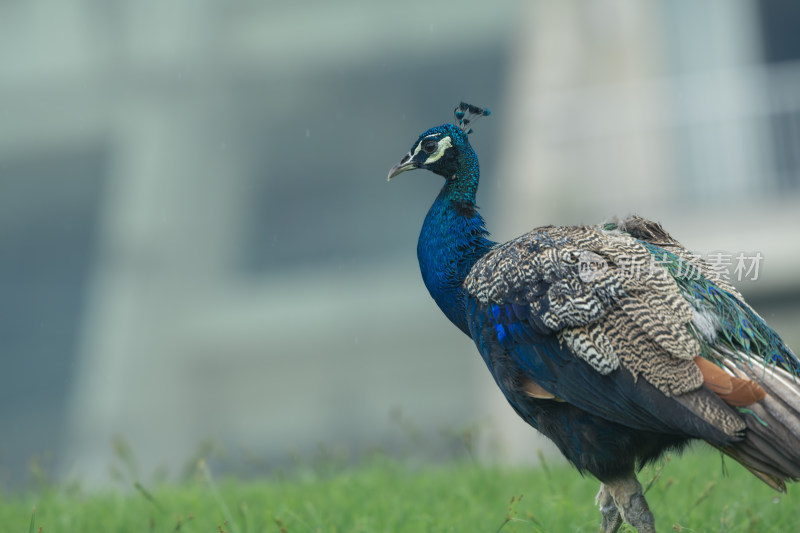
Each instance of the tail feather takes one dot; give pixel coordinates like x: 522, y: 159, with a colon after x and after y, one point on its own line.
x: 787, y: 420
x: 782, y: 399
x: 759, y: 469
x: 776, y: 451
x: 771, y: 447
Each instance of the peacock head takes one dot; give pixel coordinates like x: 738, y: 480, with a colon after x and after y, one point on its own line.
x: 441, y: 149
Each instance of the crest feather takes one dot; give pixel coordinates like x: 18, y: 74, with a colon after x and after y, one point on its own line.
x: 466, y: 114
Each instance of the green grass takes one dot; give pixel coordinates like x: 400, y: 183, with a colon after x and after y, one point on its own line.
x: 690, y: 493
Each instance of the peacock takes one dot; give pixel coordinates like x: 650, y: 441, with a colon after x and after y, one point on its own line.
x: 614, y: 341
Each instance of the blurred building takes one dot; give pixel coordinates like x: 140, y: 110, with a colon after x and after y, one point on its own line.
x: 197, y: 239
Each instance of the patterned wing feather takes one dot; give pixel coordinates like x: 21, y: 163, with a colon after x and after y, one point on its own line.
x: 601, y: 293
x: 607, y: 303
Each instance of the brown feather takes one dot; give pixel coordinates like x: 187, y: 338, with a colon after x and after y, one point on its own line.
x: 734, y: 391
x: 534, y: 390
x: 744, y: 393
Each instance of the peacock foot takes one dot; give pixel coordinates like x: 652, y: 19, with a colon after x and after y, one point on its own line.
x: 622, y: 500
x: 611, y: 517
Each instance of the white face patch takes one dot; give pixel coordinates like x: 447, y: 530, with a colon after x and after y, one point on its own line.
x: 443, y: 145
x: 419, y: 145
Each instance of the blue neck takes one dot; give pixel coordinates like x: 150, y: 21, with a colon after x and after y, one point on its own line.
x: 452, y: 239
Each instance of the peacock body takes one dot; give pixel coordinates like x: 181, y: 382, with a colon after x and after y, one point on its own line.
x: 613, y: 340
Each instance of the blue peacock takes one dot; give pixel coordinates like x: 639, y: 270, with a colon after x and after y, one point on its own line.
x: 616, y: 365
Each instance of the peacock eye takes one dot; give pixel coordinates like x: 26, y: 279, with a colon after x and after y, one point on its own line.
x: 429, y: 146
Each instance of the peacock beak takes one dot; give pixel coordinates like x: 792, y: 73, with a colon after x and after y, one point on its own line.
x: 406, y: 163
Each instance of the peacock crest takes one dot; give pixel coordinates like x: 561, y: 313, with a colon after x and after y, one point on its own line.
x: 466, y: 114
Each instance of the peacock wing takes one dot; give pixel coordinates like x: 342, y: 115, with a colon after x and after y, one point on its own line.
x: 588, y: 315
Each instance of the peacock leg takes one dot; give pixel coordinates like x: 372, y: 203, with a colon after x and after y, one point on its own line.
x: 611, y: 518
x: 627, y: 494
